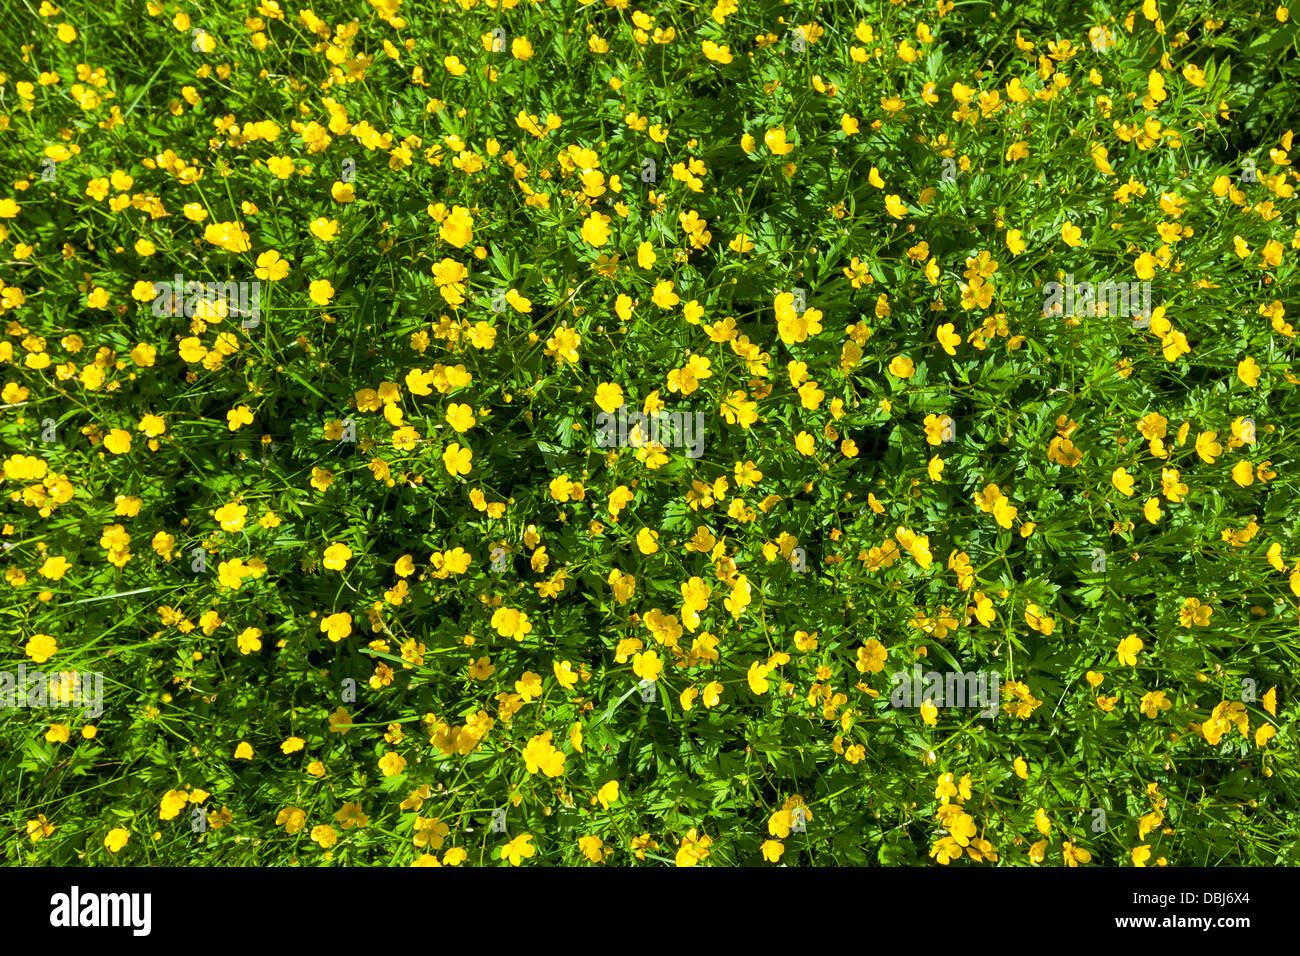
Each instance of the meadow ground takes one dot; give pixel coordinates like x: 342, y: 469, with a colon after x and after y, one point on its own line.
x: 563, y: 433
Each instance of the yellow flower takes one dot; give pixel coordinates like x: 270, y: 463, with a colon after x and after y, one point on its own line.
x: 519, y: 849
x: 948, y: 338
x: 57, y: 734
x: 324, y: 229
x: 591, y: 847
x: 963, y: 828
x: 321, y: 291
x: 694, y: 848
x: 1248, y: 371
x: 54, y: 568
x: 458, y: 228
x: 663, y: 295
x: 270, y: 266
x: 292, y: 819
x: 457, y: 460
x: 460, y: 416
x: 1128, y: 649
x: 609, y: 397
x: 41, y: 647
x: 1153, y: 702
x: 173, y: 802
x: 118, y: 441
x: 282, y: 167
x: 336, y: 626
x: 608, y: 794
x: 792, y: 326
x: 1194, y: 613
x: 231, y: 516
x: 929, y: 713
x: 116, y: 839
x: 1039, y: 621
x: 1041, y: 822
x: 511, y: 623
x: 902, y: 367
x: 540, y: 756
x: 775, y: 141
x: 647, y: 541
x: 39, y: 828
x: 1074, y: 856
x: 945, y: 850
x: 236, y: 418
x: 647, y: 666
x: 719, y: 54
x: 595, y: 229
x: 336, y: 556
x: 1004, y: 512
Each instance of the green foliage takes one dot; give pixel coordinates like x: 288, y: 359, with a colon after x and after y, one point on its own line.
x: 482, y: 570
